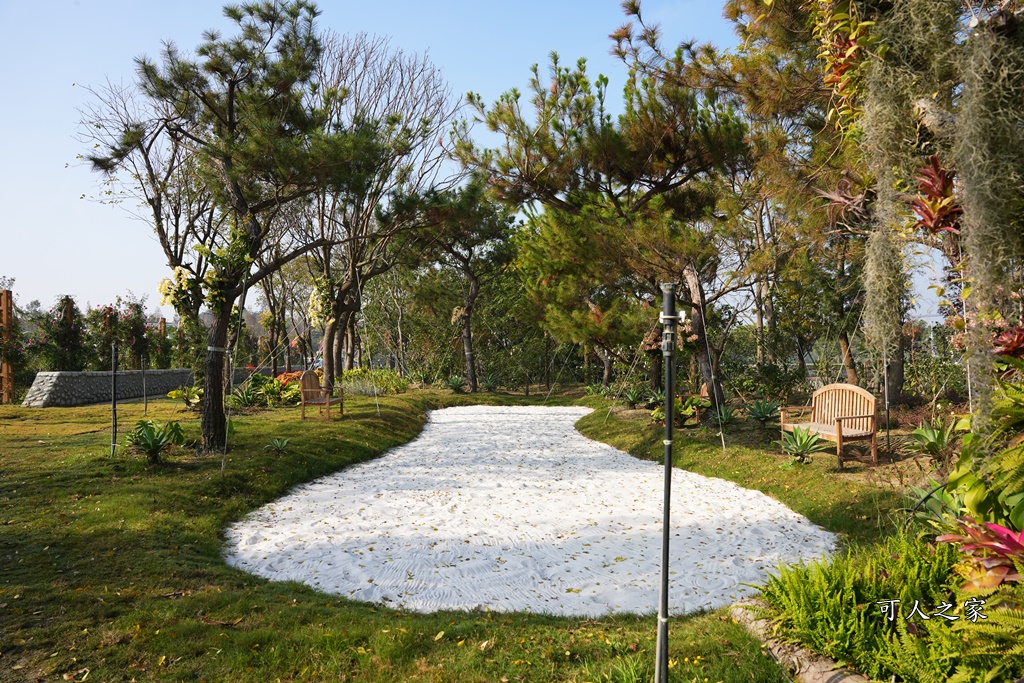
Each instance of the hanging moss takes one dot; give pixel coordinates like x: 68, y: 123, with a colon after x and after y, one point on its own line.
x: 917, y: 48
x: 989, y: 153
x: 885, y: 279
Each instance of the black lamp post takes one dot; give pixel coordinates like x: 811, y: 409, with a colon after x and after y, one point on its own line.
x: 669, y: 321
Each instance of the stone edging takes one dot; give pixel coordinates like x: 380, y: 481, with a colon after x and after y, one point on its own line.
x: 804, y: 665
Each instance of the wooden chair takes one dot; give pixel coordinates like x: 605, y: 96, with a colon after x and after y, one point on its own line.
x: 840, y: 413
x: 314, y: 395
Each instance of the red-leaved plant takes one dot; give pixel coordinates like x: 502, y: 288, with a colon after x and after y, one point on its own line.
x: 936, y: 208
x: 1010, y: 343
x: 993, y: 553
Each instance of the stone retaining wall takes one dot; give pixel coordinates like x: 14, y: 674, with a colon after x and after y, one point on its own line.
x: 83, y: 388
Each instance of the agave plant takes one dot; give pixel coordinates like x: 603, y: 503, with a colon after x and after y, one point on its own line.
x: 278, y: 446
x: 656, y: 398
x: 763, y: 411
x: 936, y: 504
x: 993, y: 552
x: 456, y: 383
x: 489, y: 383
x: 801, y: 443
x: 934, y: 440
x: 633, y: 395
x: 152, y: 440
x: 725, y: 416
x: 246, y: 396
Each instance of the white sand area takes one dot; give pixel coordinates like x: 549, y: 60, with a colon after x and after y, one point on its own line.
x: 512, y: 509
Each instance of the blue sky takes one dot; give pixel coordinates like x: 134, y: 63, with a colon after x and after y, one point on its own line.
x: 55, y: 240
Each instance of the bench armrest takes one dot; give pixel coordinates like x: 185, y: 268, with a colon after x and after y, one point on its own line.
x: 854, y: 417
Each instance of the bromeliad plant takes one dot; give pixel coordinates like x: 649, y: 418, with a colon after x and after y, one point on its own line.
x: 936, y: 206
x: 993, y: 553
x: 801, y: 444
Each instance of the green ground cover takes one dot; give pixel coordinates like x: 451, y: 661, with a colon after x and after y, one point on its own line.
x: 111, y: 568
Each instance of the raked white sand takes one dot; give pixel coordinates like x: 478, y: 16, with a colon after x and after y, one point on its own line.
x: 512, y: 509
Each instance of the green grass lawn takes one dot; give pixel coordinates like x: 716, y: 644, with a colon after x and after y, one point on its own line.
x: 111, y: 568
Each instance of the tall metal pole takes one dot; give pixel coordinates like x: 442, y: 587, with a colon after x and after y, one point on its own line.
x: 113, y: 397
x: 668, y: 349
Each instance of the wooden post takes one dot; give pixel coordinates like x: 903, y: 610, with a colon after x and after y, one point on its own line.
x: 113, y: 397
x: 162, y: 327
x: 7, y: 331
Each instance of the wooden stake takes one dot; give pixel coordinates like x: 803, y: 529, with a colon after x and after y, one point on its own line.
x: 7, y: 331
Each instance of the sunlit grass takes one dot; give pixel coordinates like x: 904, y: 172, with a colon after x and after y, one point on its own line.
x: 114, y: 565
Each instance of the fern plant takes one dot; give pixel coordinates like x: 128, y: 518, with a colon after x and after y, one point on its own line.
x: 833, y: 608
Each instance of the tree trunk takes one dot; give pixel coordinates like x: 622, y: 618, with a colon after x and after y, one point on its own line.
x: 896, y: 368
x: 851, y: 368
x: 338, y: 351
x: 656, y: 372
x: 704, y: 360
x: 606, y: 360
x: 800, y: 346
x: 467, y: 330
x: 330, y: 330
x: 214, y: 423
x: 357, y: 343
x: 350, y: 345
x: 759, y: 324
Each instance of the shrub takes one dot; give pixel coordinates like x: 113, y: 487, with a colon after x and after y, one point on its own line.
x: 62, y: 341
x: 455, y: 383
x: 366, y: 382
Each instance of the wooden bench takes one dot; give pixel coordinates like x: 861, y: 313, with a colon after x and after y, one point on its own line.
x: 314, y: 395
x: 840, y: 413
